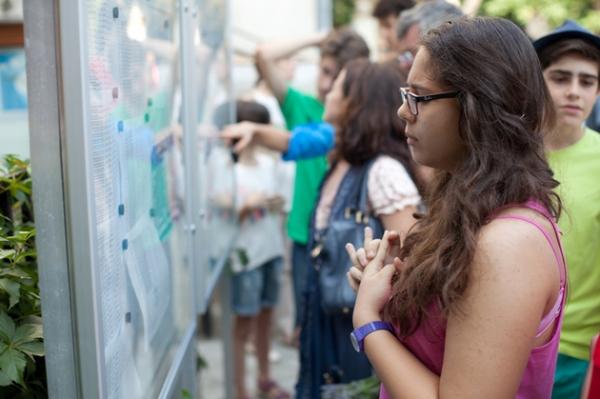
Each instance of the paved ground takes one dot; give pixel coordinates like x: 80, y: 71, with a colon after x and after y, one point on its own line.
x: 211, y: 382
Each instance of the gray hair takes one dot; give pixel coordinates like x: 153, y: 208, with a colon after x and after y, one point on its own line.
x: 428, y: 14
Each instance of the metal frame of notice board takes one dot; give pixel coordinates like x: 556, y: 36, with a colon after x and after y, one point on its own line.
x: 64, y: 207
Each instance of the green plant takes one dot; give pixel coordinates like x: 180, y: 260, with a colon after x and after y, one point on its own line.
x: 552, y: 12
x: 343, y: 11
x: 22, y: 369
x: 367, y: 388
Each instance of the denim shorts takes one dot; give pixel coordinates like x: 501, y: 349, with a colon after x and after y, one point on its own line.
x: 256, y: 289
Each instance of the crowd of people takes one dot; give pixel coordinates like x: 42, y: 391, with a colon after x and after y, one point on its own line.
x: 445, y: 217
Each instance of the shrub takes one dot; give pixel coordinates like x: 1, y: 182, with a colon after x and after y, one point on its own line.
x: 22, y: 368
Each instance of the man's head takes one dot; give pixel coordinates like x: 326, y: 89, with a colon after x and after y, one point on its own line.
x: 386, y: 12
x: 416, y: 22
x: 570, y: 59
x: 338, y: 48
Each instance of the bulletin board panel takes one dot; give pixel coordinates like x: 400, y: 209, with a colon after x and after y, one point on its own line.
x: 136, y: 174
x: 217, y: 219
x: 136, y: 168
x: 114, y: 99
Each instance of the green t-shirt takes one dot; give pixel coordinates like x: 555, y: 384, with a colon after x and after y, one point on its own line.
x: 577, y: 168
x: 298, y: 109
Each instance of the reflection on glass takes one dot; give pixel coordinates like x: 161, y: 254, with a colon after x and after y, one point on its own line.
x: 14, y: 132
x: 137, y: 175
x: 217, y: 182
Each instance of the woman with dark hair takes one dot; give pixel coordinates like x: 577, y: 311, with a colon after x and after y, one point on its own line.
x: 369, y: 149
x: 471, y: 305
x: 369, y: 142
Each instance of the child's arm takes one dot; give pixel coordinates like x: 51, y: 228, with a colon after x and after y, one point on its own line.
x: 305, y: 141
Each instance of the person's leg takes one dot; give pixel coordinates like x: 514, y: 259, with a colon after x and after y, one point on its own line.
x: 569, y: 377
x: 263, y: 342
x: 241, y: 332
x: 271, y: 273
x: 245, y: 301
x: 300, y: 264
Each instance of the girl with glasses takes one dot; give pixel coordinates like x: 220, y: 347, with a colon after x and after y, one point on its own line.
x: 470, y: 305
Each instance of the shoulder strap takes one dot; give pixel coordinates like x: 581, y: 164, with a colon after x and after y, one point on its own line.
x: 363, y: 197
x: 560, y: 261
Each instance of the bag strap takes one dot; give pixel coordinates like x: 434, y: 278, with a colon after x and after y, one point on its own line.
x: 358, y: 198
x: 363, y: 188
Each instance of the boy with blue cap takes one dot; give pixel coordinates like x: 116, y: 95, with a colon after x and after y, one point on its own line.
x: 570, y: 59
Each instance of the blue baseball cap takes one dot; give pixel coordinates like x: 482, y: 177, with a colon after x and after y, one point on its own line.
x: 568, y: 30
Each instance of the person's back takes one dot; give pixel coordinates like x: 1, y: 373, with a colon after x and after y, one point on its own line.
x: 570, y: 58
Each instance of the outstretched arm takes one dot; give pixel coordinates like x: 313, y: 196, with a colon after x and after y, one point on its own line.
x: 305, y: 141
x: 244, y: 133
x: 268, y: 54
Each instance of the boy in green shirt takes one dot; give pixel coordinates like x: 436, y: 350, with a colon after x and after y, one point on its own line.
x: 337, y: 48
x: 570, y: 58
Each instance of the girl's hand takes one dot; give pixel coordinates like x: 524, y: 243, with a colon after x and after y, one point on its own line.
x: 362, y: 256
x: 375, y: 284
x: 359, y: 258
x: 239, y: 135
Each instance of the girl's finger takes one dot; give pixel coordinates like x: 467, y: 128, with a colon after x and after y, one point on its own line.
x: 394, y: 238
x: 387, y: 272
x: 356, y: 274
x: 353, y: 283
x: 377, y: 263
x: 351, y: 253
x: 361, y: 255
x: 242, y: 143
x: 398, y: 265
x: 368, y: 237
x: 371, y: 248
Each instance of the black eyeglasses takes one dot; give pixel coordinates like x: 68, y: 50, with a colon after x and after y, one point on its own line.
x: 413, y: 99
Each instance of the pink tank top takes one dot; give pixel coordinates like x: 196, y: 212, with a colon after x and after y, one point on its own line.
x: 427, y: 342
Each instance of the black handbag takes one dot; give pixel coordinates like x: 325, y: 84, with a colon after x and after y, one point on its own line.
x: 349, y: 216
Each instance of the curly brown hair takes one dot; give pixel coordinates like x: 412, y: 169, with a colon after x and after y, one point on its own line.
x: 504, y: 107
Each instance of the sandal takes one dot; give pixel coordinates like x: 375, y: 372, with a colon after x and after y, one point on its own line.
x: 269, y: 389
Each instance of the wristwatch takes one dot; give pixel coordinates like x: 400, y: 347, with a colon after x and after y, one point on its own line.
x: 357, y: 337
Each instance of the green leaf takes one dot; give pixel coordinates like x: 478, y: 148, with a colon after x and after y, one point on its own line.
x: 31, y: 319
x: 4, y: 380
x: 23, y: 255
x: 7, y: 327
x: 13, y: 290
x: 12, y: 363
x: 14, y: 272
x: 5, y: 253
x: 242, y: 257
x: 33, y: 348
x: 27, y: 333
